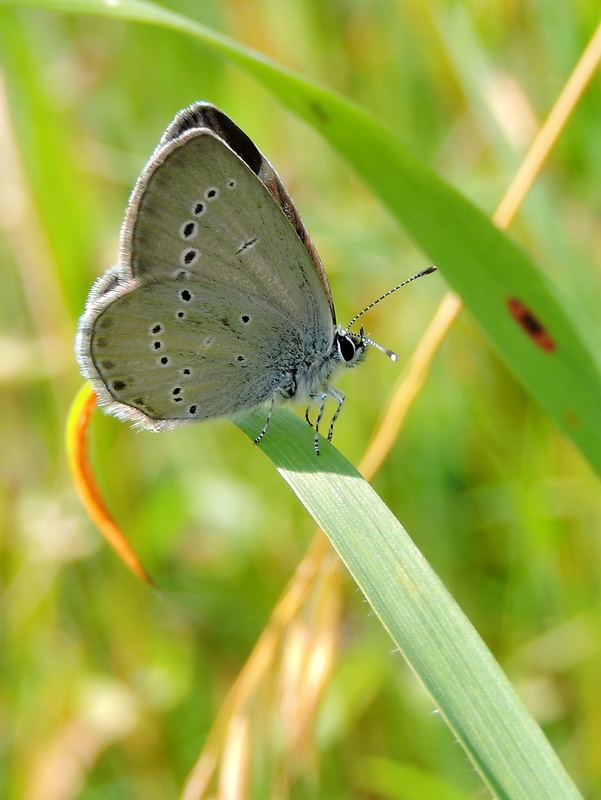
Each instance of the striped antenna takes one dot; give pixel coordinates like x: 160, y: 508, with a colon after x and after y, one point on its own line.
x: 428, y: 271
x: 390, y: 353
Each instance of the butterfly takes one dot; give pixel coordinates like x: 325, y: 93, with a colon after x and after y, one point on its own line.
x: 219, y: 302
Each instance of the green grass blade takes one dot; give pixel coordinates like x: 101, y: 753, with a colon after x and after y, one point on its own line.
x: 432, y: 633
x: 548, y: 350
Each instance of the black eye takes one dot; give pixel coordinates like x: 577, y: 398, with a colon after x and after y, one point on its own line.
x: 346, y: 348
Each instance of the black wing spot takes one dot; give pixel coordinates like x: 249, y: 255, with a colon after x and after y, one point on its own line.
x: 193, y: 409
x: 188, y: 230
x: 181, y: 314
x: 246, y: 245
x: 245, y: 318
x: 189, y: 257
x: 164, y: 361
x: 211, y: 193
x: 157, y: 345
x: 186, y: 371
x: 198, y: 209
x: 186, y: 295
x: 119, y: 386
x: 177, y: 390
x: 156, y: 328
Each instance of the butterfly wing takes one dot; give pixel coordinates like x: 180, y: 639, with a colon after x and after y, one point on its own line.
x: 206, y: 115
x: 215, y: 299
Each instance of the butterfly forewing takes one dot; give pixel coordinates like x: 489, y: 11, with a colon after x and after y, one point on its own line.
x: 201, y: 209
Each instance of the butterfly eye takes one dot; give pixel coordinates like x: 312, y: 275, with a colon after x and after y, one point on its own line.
x: 346, y: 348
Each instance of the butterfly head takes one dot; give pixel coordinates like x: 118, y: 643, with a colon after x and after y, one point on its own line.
x: 352, y: 347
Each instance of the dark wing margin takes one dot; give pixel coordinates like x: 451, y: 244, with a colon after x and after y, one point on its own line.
x: 206, y: 115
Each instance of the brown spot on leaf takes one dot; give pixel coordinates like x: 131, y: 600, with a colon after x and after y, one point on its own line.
x: 571, y: 419
x: 530, y: 323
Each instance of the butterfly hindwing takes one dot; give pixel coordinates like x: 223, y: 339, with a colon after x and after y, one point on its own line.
x: 175, y: 350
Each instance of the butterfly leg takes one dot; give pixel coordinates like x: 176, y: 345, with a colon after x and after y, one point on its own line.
x: 340, y: 397
x: 321, y: 398
x: 307, y: 415
x: 267, y: 421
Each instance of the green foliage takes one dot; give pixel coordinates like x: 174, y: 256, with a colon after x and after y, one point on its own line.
x: 490, y: 491
x: 438, y: 642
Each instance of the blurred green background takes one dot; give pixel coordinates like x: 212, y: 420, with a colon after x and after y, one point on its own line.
x: 505, y: 509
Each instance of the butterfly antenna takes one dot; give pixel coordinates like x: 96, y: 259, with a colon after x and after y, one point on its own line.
x: 389, y: 292
x: 390, y: 353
